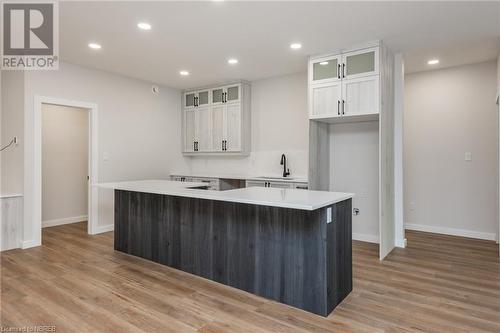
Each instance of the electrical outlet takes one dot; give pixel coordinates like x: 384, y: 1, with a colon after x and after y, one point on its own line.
x: 15, y: 140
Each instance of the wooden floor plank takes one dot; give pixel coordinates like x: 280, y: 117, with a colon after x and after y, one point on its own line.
x: 80, y: 284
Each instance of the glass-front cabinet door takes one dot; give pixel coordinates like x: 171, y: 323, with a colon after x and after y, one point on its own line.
x: 217, y: 96
x: 202, y: 98
x: 360, y: 63
x: 325, y: 69
x: 189, y: 100
x: 232, y: 94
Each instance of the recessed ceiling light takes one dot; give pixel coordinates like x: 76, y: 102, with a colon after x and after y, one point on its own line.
x: 295, y: 46
x: 184, y: 73
x: 144, y: 26
x: 94, y: 46
x: 433, y: 62
x: 232, y: 61
x: 324, y: 63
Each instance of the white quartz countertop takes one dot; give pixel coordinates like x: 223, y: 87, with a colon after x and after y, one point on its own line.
x: 263, y: 177
x: 265, y: 196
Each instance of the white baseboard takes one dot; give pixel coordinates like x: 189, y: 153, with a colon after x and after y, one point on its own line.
x: 103, y: 228
x: 28, y: 244
x: 452, y: 231
x: 365, y: 238
x: 401, y: 243
x: 66, y: 220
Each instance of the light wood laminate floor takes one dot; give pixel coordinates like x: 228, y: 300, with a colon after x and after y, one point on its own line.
x: 79, y: 283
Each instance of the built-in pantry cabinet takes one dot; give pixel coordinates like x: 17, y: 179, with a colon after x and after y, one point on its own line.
x: 345, y: 85
x: 351, y: 134
x: 216, y: 120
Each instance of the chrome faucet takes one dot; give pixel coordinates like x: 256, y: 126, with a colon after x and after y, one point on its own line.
x: 286, y: 172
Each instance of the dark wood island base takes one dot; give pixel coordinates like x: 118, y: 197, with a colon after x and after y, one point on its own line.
x: 292, y: 256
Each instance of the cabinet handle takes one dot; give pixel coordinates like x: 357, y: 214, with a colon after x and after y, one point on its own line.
x: 225, y: 144
x: 338, y: 72
x: 343, y: 70
x: 194, y: 145
x: 222, y: 145
x: 343, y: 106
x: 338, y: 106
x: 225, y: 97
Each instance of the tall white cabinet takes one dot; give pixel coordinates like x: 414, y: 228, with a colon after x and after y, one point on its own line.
x: 216, y: 120
x: 345, y: 84
x: 351, y: 108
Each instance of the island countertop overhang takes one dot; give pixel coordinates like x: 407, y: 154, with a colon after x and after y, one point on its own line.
x: 275, y: 197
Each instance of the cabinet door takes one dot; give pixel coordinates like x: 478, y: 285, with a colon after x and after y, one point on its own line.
x: 233, y: 127
x: 203, y: 133
x: 189, y: 130
x: 326, y: 69
x: 217, y: 96
x: 218, y: 115
x: 325, y: 99
x: 189, y: 100
x: 232, y: 94
x: 280, y: 185
x: 202, y: 98
x: 361, y: 96
x: 360, y: 63
x: 255, y: 183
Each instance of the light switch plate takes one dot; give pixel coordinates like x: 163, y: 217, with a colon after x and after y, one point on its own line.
x: 329, y: 215
x: 468, y: 156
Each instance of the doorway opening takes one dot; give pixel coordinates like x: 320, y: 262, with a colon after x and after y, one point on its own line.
x: 65, y: 165
x: 35, y: 170
x: 451, y: 156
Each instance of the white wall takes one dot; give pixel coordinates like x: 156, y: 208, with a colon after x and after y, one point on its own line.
x: 139, y: 133
x: 12, y: 122
x: 279, y: 125
x: 354, y: 168
x: 64, y: 164
x: 447, y: 113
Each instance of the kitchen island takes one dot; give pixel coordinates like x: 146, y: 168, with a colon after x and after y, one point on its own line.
x: 291, y: 246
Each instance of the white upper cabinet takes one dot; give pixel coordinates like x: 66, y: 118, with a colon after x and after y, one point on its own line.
x: 346, y: 86
x: 325, y: 99
x: 361, y: 96
x: 218, y: 124
x: 217, y: 120
x: 203, y: 132
x: 233, y: 128
x: 189, y: 131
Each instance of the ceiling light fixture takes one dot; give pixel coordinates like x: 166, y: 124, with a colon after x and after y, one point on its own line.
x: 94, y: 46
x: 433, y: 62
x: 232, y: 61
x: 184, y: 73
x: 324, y: 63
x: 144, y: 26
x: 295, y: 46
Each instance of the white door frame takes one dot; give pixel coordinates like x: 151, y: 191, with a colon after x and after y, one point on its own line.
x: 36, y: 169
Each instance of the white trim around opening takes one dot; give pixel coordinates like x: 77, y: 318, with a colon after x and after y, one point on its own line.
x: 35, y: 170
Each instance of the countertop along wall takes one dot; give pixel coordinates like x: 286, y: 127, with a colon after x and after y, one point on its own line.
x: 139, y: 133
x: 279, y: 125
x: 450, y: 112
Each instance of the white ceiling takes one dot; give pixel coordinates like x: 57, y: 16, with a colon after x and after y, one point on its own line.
x: 452, y: 55
x: 201, y: 36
